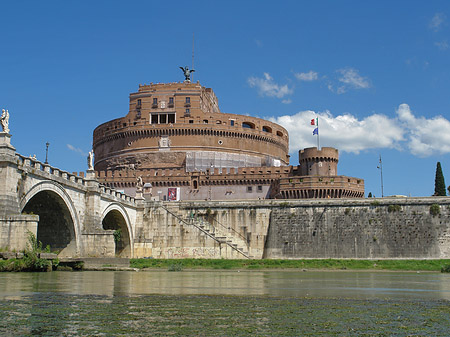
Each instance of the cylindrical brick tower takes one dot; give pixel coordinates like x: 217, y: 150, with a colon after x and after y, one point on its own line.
x: 314, y: 162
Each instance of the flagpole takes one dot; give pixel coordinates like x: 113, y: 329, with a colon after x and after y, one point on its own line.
x: 318, y: 142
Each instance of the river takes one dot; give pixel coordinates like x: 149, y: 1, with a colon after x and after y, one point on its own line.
x: 223, y: 303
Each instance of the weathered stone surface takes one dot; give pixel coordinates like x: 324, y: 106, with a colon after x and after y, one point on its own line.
x: 48, y: 256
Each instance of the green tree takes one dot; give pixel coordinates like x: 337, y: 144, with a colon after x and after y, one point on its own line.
x: 439, y: 182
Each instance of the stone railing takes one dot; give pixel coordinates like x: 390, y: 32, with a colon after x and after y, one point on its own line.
x: 116, y: 193
x: 32, y: 163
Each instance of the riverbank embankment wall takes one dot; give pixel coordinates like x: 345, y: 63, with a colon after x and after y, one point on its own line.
x: 387, y: 228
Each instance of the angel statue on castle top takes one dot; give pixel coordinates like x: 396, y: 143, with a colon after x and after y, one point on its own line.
x: 187, y: 73
x: 4, y: 119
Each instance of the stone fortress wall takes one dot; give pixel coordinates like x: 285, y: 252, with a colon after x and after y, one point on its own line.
x: 388, y: 228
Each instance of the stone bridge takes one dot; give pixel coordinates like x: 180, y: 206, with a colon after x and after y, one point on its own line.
x: 73, y: 214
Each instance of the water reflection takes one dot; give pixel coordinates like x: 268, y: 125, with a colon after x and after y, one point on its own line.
x: 341, y: 284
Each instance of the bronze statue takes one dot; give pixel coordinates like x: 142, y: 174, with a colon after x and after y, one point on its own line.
x: 187, y: 73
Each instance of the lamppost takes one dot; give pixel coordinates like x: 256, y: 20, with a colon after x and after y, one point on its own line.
x: 209, y: 179
x: 380, y: 167
x: 46, y: 152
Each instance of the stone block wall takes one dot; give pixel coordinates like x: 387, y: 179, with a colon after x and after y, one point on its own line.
x: 388, y: 228
x: 14, y: 231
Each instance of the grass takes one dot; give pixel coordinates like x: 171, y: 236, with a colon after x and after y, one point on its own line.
x: 330, y: 264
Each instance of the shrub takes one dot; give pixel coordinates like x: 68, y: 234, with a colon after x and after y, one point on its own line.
x: 445, y: 269
x: 394, y: 208
x: 175, y: 267
x: 117, y: 235
x: 435, y: 209
x: 347, y: 211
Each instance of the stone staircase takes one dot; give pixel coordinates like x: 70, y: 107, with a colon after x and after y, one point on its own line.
x: 216, y: 232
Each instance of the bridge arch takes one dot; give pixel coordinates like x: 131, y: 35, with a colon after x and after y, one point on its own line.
x: 58, y: 224
x: 115, y: 217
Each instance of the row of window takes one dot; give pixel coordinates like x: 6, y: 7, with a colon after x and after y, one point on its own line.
x: 155, y: 101
x: 259, y: 189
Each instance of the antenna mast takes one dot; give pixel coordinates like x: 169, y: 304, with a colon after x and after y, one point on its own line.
x: 192, y: 53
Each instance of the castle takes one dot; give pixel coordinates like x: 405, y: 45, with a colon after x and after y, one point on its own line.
x: 176, y: 144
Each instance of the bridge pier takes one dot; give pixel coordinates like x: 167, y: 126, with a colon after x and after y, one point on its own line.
x: 14, y: 227
x: 73, y: 214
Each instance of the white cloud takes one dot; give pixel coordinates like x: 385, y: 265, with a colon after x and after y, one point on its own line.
x: 286, y: 101
x: 443, y: 45
x: 267, y: 87
x: 425, y: 136
x: 75, y: 149
x: 421, y: 136
x: 350, y: 78
x: 344, y: 132
x: 309, y: 76
x: 437, y: 21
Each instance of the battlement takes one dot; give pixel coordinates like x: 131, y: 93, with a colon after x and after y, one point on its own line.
x: 324, y: 154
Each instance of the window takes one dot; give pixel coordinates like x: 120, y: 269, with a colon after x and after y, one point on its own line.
x: 170, y: 100
x: 188, y: 100
x: 188, y: 111
x: 232, y: 122
x: 205, y: 121
x: 259, y: 189
x: 138, y: 104
x: 162, y: 118
x: 191, y: 121
x: 248, y: 125
x: 138, y: 113
x: 249, y: 189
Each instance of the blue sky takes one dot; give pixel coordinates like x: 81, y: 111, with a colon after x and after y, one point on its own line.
x: 377, y: 74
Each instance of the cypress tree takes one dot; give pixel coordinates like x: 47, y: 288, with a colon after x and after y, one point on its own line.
x: 439, y: 182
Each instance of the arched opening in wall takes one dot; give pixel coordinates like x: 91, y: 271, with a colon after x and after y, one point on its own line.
x: 248, y: 125
x: 116, y: 222
x: 56, y: 226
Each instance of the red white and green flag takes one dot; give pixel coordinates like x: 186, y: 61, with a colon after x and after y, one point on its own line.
x: 315, y: 122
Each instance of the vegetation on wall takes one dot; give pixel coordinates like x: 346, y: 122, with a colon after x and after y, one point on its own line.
x: 394, y: 208
x: 439, y: 182
x: 435, y: 209
x: 31, y: 260
x: 117, y: 235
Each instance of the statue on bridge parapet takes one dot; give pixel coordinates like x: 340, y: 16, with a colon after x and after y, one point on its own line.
x: 4, y: 119
x: 139, y: 185
x: 90, y: 160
